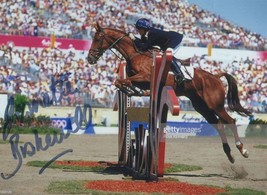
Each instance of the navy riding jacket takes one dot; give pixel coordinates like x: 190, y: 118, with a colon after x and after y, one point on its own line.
x: 163, y: 39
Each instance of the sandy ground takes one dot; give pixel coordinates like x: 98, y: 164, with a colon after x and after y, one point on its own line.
x: 203, y: 151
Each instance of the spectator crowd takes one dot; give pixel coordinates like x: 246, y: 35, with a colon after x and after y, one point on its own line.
x: 74, y: 19
x: 64, y: 77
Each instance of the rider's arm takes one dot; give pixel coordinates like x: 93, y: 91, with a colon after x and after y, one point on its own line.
x: 141, y: 45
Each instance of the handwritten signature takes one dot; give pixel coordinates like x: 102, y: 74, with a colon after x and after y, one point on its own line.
x: 21, y: 152
x: 30, y: 149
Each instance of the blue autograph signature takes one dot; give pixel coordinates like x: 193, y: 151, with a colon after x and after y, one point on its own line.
x: 21, y: 152
x: 30, y: 149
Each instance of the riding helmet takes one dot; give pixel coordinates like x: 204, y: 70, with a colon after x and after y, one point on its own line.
x: 143, y: 23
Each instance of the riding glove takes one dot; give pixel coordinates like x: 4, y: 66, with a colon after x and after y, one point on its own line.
x: 131, y: 35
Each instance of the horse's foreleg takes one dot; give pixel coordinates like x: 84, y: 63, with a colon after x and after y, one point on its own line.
x: 121, y: 82
x: 140, y: 77
x: 126, y: 86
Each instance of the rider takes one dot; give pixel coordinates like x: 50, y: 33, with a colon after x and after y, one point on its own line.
x: 151, y: 37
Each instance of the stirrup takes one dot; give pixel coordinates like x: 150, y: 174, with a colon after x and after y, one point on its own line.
x: 179, y: 79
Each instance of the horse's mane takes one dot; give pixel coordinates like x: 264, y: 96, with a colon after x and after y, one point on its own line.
x: 147, y: 53
x: 115, y: 29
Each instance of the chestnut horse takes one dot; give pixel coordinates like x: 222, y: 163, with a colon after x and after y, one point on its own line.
x: 205, y: 90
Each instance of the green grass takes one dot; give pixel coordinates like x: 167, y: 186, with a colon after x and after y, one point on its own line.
x: 67, y: 187
x: 261, y: 146
x: 31, y: 130
x: 66, y: 167
x: 76, y: 187
x: 181, y: 168
x: 241, y: 191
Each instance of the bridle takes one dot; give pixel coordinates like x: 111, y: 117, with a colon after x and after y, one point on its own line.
x: 98, y: 52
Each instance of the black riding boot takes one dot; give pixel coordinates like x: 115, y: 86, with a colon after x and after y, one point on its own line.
x: 175, y: 68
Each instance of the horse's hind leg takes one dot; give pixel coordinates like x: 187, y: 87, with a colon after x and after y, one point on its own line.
x: 209, y: 114
x: 226, y: 147
x: 214, y: 98
x: 225, y: 118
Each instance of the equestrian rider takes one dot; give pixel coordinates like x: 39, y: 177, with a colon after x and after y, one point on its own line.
x: 151, y: 37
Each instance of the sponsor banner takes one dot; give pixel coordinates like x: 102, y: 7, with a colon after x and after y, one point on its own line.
x: 134, y: 125
x: 96, y: 130
x: 190, y: 118
x: 241, y: 122
x: 183, y: 129
x: 62, y: 123
x: 44, y: 42
x: 189, y: 129
x: 69, y: 125
x: 188, y: 124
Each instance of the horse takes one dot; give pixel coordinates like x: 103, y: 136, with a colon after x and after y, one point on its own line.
x: 205, y: 90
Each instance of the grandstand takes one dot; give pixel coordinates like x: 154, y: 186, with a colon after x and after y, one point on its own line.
x: 64, y: 76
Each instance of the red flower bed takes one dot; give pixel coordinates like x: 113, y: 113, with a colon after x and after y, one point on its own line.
x: 167, y: 187
x: 167, y: 165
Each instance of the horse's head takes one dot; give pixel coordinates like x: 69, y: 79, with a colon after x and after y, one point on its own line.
x: 104, y: 39
x: 98, y: 46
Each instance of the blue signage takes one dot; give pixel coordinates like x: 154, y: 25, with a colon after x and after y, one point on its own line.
x: 197, y: 129
x: 183, y: 128
x: 62, y: 123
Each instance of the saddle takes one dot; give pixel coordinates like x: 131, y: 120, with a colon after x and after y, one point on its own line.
x: 185, y: 62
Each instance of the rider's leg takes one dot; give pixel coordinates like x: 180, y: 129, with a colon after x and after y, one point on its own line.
x: 175, y: 68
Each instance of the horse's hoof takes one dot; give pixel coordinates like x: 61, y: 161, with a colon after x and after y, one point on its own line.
x: 230, y: 158
x: 245, y: 153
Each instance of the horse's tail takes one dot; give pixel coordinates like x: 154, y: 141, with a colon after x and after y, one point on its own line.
x: 232, y: 96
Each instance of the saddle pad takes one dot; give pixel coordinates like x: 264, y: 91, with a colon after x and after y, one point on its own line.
x: 188, y: 72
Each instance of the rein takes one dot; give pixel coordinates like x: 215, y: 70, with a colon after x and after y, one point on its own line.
x: 113, y: 44
x: 99, y: 51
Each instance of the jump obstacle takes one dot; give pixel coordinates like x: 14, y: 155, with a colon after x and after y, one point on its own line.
x: 144, y: 154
